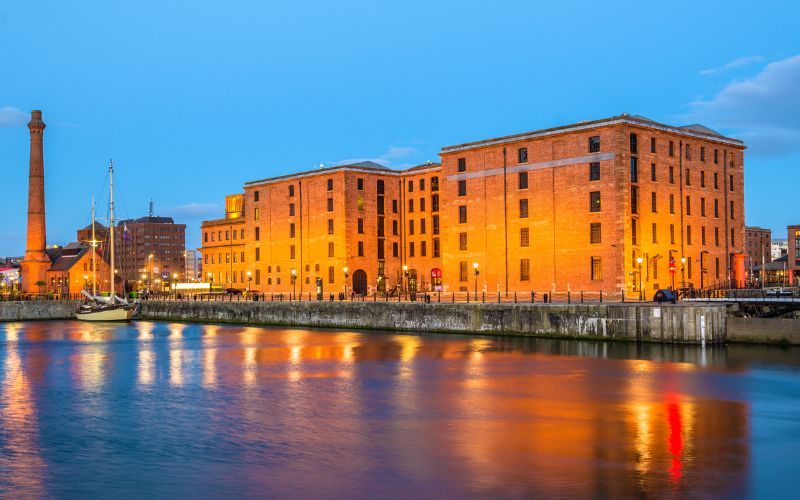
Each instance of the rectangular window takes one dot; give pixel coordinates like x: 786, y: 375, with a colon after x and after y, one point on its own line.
x: 524, y: 237
x: 331, y: 274
x: 411, y: 227
x: 671, y: 175
x: 434, y: 183
x: 258, y: 254
x: 716, y: 209
x: 291, y: 252
x: 381, y: 224
x: 716, y: 262
x: 422, y: 226
x: 688, y: 151
x: 360, y: 184
x: 381, y: 187
x: 653, y: 172
x: 597, y: 269
x: 435, y: 223
x: 702, y: 178
x: 655, y: 233
x: 522, y: 155
x: 716, y: 180
x: 381, y: 206
x: 330, y: 204
x: 360, y: 248
x: 258, y: 276
x: 291, y: 190
x: 522, y: 180
x: 594, y: 171
x: 330, y: 184
x: 672, y: 234
x: 716, y: 156
x: 594, y: 144
x: 257, y: 233
x: 716, y: 236
x: 702, y: 235
x: 634, y: 200
x: 523, y: 208
x: 634, y: 169
x: 652, y: 144
x: 703, y: 207
x: 436, y: 248
x: 410, y: 205
x: 633, y: 232
x: 462, y: 214
x: 462, y: 271
x: 732, y: 217
x: 411, y: 249
x: 702, y: 153
x: 653, y: 205
x: 330, y: 249
x: 688, y: 235
x: 462, y: 241
x: 423, y: 248
x: 394, y: 227
x: 360, y: 203
x: 422, y: 204
x: 360, y: 224
x: 688, y: 177
x: 634, y: 144
x: 671, y: 148
x: 394, y: 206
x: 435, y: 203
x: 291, y: 230
x: 733, y: 242
x: 462, y: 187
x: 524, y: 269
x: 410, y: 186
x: 422, y: 184
x: 462, y: 164
x: 730, y: 183
x: 330, y: 226
x: 256, y: 213
x: 689, y: 267
x: 688, y: 205
x: 291, y: 209
x: 255, y: 195
x: 594, y: 201
x: 595, y: 233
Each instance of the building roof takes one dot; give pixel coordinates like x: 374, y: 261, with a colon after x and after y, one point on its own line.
x: 362, y: 166
x: 151, y: 219
x: 64, y: 258
x: 778, y: 264
x: 696, y: 130
x: 756, y: 228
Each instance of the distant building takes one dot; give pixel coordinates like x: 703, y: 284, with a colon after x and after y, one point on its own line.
x: 793, y: 255
x: 192, y: 272
x: 71, y: 270
x: 151, y: 250
x: 84, y: 235
x: 780, y: 247
x: 758, y: 245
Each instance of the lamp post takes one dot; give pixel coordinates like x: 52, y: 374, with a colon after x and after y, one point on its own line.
x: 150, y: 271
x: 639, y: 261
x: 294, y: 281
x: 249, y: 281
x: 346, y: 274
x: 85, y: 280
x: 476, y: 272
x: 683, y: 272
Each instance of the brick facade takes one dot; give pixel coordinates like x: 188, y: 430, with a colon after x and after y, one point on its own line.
x: 520, y: 207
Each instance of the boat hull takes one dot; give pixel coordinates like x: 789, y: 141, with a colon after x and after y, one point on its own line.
x: 116, y: 314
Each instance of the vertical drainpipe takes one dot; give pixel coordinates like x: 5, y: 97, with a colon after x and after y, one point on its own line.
x: 402, y: 185
x: 300, y: 208
x: 505, y: 214
x: 680, y: 194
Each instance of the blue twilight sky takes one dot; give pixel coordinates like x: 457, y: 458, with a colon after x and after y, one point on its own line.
x: 193, y: 98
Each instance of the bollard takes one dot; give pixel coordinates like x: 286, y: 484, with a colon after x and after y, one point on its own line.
x: 498, y: 297
x: 569, y: 297
x: 546, y: 297
x: 467, y: 297
x: 601, y: 295
x: 533, y: 297
x: 453, y: 296
x: 483, y: 296
x: 515, y: 297
x: 439, y: 296
x: 581, y: 296
x: 623, y: 295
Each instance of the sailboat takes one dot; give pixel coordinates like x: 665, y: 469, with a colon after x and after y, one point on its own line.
x: 97, y: 307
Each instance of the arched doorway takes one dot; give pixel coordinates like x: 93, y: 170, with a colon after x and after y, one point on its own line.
x: 360, y: 282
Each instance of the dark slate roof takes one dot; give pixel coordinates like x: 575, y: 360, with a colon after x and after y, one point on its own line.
x: 68, y: 256
x: 696, y: 127
x: 155, y: 219
x: 365, y: 164
x: 778, y: 264
x: 423, y: 166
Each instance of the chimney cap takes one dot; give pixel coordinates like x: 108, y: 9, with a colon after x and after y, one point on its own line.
x: 36, y: 120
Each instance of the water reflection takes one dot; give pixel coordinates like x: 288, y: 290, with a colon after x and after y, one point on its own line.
x: 250, y: 410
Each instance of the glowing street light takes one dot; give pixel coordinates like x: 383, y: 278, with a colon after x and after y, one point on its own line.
x: 477, y: 273
x: 294, y: 283
x: 639, y: 261
x: 346, y: 274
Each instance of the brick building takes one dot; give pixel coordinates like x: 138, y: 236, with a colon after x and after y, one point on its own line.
x: 758, y: 245
x: 71, y: 270
x: 136, y: 240
x: 793, y: 253
x: 567, y: 208
x: 576, y: 207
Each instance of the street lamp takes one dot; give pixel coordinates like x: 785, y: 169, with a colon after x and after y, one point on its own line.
x: 639, y: 261
x: 346, y: 274
x: 150, y: 271
x: 249, y: 280
x: 85, y: 279
x: 477, y: 272
x: 683, y: 272
x: 294, y: 281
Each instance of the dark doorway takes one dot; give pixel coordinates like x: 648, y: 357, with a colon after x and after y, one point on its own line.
x: 360, y: 282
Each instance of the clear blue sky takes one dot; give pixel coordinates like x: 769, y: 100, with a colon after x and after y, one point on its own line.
x: 193, y: 98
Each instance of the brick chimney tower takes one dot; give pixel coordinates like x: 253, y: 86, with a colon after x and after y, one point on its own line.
x: 36, y: 262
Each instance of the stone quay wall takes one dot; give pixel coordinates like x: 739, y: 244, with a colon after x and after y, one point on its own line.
x: 681, y: 323
x: 37, y: 310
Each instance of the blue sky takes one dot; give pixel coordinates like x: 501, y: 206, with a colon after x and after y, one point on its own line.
x: 193, y: 98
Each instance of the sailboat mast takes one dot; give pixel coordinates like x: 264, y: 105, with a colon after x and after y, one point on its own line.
x: 111, y: 224
x: 94, y: 251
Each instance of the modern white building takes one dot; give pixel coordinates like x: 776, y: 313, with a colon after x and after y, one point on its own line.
x: 780, y: 247
x: 192, y: 271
